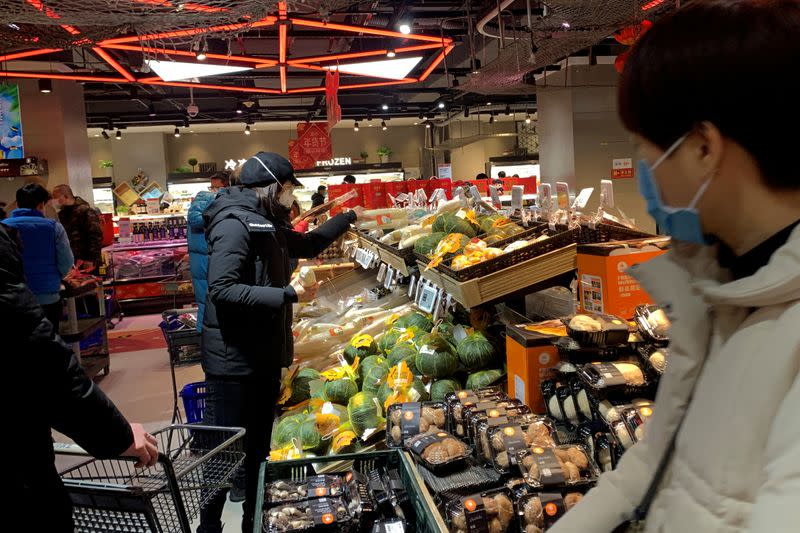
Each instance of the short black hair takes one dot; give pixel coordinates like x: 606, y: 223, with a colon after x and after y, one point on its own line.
x: 224, y: 177
x: 29, y: 196
x: 322, y: 188
x: 349, y: 179
x: 725, y: 62
x: 501, y: 174
x: 482, y: 176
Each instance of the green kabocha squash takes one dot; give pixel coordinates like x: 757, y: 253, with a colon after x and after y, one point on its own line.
x: 445, y: 329
x: 371, y: 361
x: 427, y: 244
x: 437, y: 357
x: 405, y: 351
x: 484, y: 378
x: 415, y: 319
x: 442, y: 387
x: 300, y: 385
x: 340, y: 390
x: 388, y: 340
x: 364, y: 413
x: 309, y: 435
x: 452, y: 223
x: 475, y: 352
x: 374, y: 378
x: 384, y: 391
x: 360, y: 346
x: 287, y: 428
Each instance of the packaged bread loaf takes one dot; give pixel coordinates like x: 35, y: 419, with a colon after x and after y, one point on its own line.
x: 489, y: 512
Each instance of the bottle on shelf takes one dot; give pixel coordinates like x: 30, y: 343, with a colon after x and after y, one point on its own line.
x: 162, y: 231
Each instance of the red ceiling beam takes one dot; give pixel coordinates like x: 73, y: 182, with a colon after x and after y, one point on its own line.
x: 435, y: 63
x: 51, y: 76
x: 252, y: 90
x: 185, y: 53
x: 114, y: 64
x: 266, y: 21
x: 356, y: 55
x: 369, y: 31
x: 28, y: 53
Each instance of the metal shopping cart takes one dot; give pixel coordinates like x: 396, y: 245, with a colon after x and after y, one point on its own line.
x: 111, y: 496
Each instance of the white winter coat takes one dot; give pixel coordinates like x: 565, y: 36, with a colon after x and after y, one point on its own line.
x: 736, y: 465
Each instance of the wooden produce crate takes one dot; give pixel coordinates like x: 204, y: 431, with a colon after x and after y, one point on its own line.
x: 496, y: 285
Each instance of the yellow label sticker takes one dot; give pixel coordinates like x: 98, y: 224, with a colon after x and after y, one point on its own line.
x: 361, y: 341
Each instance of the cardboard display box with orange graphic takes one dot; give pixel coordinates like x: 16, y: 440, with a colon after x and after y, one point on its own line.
x: 529, y: 357
x: 604, y: 285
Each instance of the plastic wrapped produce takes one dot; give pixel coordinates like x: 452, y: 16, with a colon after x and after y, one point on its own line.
x: 439, y: 452
x: 406, y: 420
x: 491, y: 511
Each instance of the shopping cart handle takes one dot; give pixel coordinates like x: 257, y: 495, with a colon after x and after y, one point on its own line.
x: 68, y: 449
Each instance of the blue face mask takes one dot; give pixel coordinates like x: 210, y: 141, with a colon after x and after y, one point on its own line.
x: 681, y: 223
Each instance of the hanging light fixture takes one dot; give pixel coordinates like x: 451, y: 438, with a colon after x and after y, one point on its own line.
x: 385, y: 107
x: 384, y: 127
x: 247, y: 130
x: 201, y: 48
x: 427, y: 125
x: 491, y: 119
x: 527, y: 118
x: 151, y: 109
x: 177, y: 132
x: 355, y: 126
x: 45, y: 86
x: 508, y: 110
x: 405, y: 28
x: 118, y: 136
x: 104, y: 134
x: 390, y: 53
x: 440, y: 105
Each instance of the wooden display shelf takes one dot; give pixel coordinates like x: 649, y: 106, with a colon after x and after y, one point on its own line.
x: 499, y: 284
x: 395, y: 261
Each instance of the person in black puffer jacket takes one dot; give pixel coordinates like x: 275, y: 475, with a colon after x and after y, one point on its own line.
x: 247, y: 326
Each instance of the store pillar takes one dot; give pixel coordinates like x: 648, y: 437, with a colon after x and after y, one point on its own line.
x: 54, y: 128
x: 580, y: 136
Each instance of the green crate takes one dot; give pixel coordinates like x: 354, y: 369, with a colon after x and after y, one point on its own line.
x: 428, y: 519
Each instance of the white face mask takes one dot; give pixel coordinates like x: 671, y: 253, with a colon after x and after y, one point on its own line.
x: 286, y: 197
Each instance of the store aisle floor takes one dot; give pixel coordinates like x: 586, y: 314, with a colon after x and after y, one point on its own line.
x: 140, y: 385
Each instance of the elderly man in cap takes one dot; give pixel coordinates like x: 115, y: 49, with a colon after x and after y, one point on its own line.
x: 247, y: 334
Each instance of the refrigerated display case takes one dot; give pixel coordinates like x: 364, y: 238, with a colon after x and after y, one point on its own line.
x: 184, y: 188
x: 149, y: 273
x: 103, y: 195
x: 524, y: 167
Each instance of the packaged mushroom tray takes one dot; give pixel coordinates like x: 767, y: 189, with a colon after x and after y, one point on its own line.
x: 557, y: 466
x: 406, y: 420
x: 319, y: 514
x: 614, y: 380
x: 482, y: 422
x: 505, y: 442
x: 457, y: 401
x: 474, y: 414
x: 490, y: 512
x: 439, y: 452
x: 284, y: 491
x: 594, y: 329
x: 538, y: 511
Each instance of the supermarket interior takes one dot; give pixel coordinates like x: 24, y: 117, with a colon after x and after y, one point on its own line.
x: 396, y: 266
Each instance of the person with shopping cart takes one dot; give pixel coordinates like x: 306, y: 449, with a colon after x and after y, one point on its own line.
x: 247, y: 334
x: 65, y: 399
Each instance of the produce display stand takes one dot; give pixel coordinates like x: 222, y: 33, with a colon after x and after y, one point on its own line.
x: 74, y: 330
x: 427, y: 518
x: 111, y: 495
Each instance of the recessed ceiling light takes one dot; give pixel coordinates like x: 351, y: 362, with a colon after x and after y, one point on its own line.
x: 177, y: 70
x: 390, y: 52
x: 45, y: 86
x: 405, y: 28
x: 441, y: 105
x: 393, y: 69
x: 177, y: 133
x: 385, y: 107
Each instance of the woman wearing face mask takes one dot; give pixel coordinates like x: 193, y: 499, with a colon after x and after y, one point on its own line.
x: 722, y: 451
x: 247, y: 336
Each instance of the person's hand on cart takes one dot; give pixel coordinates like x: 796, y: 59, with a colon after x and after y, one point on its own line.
x: 144, y: 447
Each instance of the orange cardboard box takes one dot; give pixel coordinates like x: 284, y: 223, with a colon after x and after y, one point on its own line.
x: 529, y: 356
x: 602, y: 280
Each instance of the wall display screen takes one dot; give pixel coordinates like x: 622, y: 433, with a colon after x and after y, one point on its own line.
x: 11, y: 146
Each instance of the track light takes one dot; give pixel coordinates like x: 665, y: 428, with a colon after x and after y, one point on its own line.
x: 427, y: 125
x: 421, y: 116
x: 355, y: 126
x: 151, y: 109
x: 390, y: 52
x: 118, y: 136
x: 201, y: 48
x: 177, y: 132
x: 385, y: 107
x: 440, y: 105
x: 476, y: 67
x: 527, y: 118
x: 247, y: 130
x: 45, y: 86
x: 488, y: 103
x: 405, y: 28
x: 104, y: 134
x: 384, y: 127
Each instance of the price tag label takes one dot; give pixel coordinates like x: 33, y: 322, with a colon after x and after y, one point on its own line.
x: 516, y: 197
x: 412, y: 285
x: 562, y: 194
x: 583, y: 198
x: 495, y: 195
x: 364, y: 258
x: 545, y: 197
x: 606, y: 194
x: 475, y: 193
x: 381, y: 273
x: 387, y: 282
x: 427, y: 298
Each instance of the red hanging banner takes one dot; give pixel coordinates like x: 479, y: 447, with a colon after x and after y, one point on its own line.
x: 313, y: 144
x: 332, y: 98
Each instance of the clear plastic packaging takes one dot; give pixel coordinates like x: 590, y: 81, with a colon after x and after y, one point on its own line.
x: 654, y: 358
x: 507, y: 441
x: 456, y: 401
x: 595, y: 329
x: 496, y: 407
x: 405, y: 420
x: 491, y: 511
x: 284, y: 491
x: 440, y: 452
x: 539, y: 510
x: 617, y: 379
x: 480, y: 424
x: 653, y: 323
x: 317, y: 514
x: 622, y: 434
x: 565, y: 465
x: 635, y: 419
x: 569, y: 350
